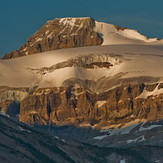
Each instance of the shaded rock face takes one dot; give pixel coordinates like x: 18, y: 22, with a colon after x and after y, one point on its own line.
x: 22, y: 143
x: 58, y: 34
x: 10, y: 100
x: 56, y: 105
x: 77, y: 106
x: 10, y: 107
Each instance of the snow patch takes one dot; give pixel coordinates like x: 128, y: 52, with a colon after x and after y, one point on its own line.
x: 80, y: 26
x: 123, y: 161
x: 22, y: 129
x: 85, y: 125
x: 56, y: 137
x: 100, y: 137
x: 24, y: 49
x: 33, y: 112
x: 63, y: 140
x: 100, y: 103
x: 120, y: 130
x: 50, y: 35
x: 155, y: 92
x: 68, y: 21
x: 1, y: 113
x: 149, y: 127
x: 44, y: 91
x: 120, y: 101
x: 38, y: 39
x: 139, y: 139
x: 47, y: 32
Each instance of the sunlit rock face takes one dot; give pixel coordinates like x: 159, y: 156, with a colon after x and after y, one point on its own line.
x: 58, y: 34
x: 78, y: 106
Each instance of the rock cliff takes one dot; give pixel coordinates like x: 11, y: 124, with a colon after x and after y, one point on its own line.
x: 78, y: 106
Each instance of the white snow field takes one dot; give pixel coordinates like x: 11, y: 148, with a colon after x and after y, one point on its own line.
x: 113, y: 34
x: 131, y: 60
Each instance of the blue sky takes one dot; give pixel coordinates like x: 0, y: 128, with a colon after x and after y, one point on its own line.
x: 19, y: 19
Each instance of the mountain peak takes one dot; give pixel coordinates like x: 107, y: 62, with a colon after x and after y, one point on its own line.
x: 73, y: 18
x: 60, y: 33
x: 78, y: 32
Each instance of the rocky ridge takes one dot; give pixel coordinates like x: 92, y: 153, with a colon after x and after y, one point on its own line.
x: 58, y: 34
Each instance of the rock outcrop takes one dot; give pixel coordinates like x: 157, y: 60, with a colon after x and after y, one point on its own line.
x: 78, y: 106
x: 10, y: 108
x: 58, y: 34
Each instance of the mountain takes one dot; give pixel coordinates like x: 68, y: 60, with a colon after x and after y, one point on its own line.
x: 77, y: 32
x: 106, y: 94
x: 99, y: 86
x: 24, y: 144
x: 21, y: 143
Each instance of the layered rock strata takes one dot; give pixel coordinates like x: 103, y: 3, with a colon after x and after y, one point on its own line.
x: 78, y: 106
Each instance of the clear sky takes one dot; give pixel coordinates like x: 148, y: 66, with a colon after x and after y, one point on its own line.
x: 19, y: 19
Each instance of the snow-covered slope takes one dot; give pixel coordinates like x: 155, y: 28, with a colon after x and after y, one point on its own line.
x: 113, y: 34
x: 52, y: 69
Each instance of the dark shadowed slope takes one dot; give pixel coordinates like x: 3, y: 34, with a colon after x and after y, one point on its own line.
x: 20, y: 143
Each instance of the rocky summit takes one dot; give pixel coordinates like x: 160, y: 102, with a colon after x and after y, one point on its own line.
x: 58, y: 34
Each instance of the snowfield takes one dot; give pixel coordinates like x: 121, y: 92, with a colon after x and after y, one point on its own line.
x: 128, y: 60
x: 118, y: 35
